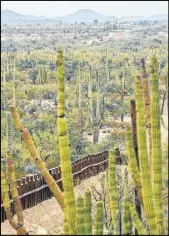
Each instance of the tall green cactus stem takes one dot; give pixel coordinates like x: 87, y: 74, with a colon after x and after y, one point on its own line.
x: 113, y: 191
x: 65, y: 224
x: 14, y: 192
x: 35, y: 157
x: 80, y: 102
x: 97, y: 118
x: 136, y: 221
x: 6, y: 203
x: 156, y: 146
x: 134, y: 127
x: 146, y: 92
x: 88, y: 217
x: 99, y: 218
x: 67, y: 177
x: 132, y: 163
x: 126, y: 216
x: 143, y: 160
x: 80, y: 216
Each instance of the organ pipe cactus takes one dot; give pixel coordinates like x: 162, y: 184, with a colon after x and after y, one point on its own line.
x: 136, y: 220
x: 88, y: 219
x: 146, y: 92
x: 99, y: 218
x: 80, y: 216
x: 14, y: 193
x: 156, y: 146
x: 126, y: 217
x: 65, y: 225
x: 35, y: 157
x: 132, y: 163
x: 143, y: 160
x: 113, y: 191
x: 6, y: 203
x: 67, y: 177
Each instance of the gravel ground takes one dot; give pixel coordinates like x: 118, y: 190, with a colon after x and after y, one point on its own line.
x: 47, y: 217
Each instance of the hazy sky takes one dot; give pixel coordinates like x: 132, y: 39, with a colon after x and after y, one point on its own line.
x: 111, y: 8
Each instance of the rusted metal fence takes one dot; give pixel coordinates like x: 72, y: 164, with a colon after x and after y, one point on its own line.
x: 33, y: 189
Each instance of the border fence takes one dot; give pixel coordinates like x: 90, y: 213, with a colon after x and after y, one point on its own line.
x: 32, y: 189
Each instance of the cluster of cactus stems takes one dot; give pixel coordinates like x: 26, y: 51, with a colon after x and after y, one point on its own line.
x: 77, y: 213
x: 42, y: 76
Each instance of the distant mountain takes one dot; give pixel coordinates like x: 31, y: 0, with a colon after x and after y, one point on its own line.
x: 10, y: 17
x: 84, y: 15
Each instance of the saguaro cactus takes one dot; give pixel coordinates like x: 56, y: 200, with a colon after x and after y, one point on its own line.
x: 113, y: 191
x: 88, y: 218
x: 67, y: 177
x: 89, y: 116
x: 156, y: 146
x: 97, y: 118
x: 143, y: 160
x: 80, y: 216
x: 99, y: 218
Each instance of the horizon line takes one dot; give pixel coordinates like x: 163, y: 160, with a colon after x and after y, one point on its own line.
x: 80, y: 10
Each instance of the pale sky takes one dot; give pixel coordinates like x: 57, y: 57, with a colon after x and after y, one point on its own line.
x: 110, y: 8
